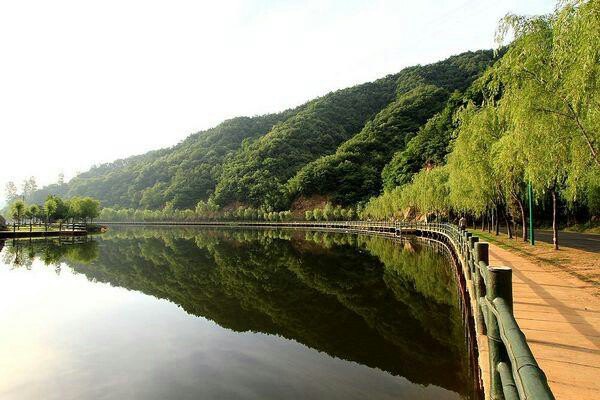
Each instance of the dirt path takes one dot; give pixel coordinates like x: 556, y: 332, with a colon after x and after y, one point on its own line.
x: 560, y: 315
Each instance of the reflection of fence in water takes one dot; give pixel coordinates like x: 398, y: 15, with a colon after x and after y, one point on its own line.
x: 21, y: 252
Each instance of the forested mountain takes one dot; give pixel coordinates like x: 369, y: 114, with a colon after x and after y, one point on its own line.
x: 427, y: 148
x: 335, y: 147
x: 181, y: 175
x: 257, y: 174
x: 350, y: 172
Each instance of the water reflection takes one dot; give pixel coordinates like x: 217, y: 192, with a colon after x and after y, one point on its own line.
x: 51, y: 251
x: 387, y: 306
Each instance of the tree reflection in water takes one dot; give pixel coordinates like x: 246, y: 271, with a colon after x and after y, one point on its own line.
x: 392, y: 306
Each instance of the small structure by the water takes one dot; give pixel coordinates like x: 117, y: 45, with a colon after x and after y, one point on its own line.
x: 3, y: 225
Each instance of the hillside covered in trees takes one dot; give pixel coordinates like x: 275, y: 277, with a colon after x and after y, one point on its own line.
x: 335, y: 146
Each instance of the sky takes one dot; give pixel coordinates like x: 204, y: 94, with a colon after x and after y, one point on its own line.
x: 84, y: 83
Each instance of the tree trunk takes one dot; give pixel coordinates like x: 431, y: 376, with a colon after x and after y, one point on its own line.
x: 497, y: 226
x: 508, y: 227
x: 554, y: 224
x: 523, y: 219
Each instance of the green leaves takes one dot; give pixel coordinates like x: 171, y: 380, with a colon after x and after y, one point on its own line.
x: 550, y: 78
x: 257, y: 175
x: 17, y: 210
x: 427, y: 193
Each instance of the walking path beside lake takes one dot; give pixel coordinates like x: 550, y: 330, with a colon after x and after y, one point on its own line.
x: 560, y: 315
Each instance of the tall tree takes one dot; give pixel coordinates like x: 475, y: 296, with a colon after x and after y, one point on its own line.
x: 34, y: 212
x: 473, y: 188
x: 553, y: 67
x: 29, y: 186
x: 89, y: 208
x: 509, y: 168
x: 549, y: 80
x: 57, y: 209
x: 17, y: 211
x: 11, y: 191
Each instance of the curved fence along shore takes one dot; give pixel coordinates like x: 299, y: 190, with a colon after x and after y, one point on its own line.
x: 514, y: 373
x: 52, y: 230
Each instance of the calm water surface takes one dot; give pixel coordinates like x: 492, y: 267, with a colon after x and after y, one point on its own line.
x: 176, y: 313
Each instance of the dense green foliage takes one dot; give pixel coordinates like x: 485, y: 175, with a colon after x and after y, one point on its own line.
x: 211, y: 212
x: 201, y: 213
x: 181, y: 175
x: 427, y: 149
x: 257, y: 175
x: 428, y: 192
x: 55, y: 208
x: 353, y: 172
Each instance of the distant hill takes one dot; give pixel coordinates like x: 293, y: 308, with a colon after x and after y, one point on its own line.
x: 334, y: 147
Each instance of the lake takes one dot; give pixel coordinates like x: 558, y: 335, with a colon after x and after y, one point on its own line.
x: 192, y: 313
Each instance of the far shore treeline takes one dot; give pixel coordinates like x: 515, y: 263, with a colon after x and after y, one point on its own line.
x: 468, y: 136
x: 211, y: 212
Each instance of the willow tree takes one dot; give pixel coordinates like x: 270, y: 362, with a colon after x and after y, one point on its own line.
x: 208, y: 209
x: 509, y: 169
x: 428, y: 192
x: 549, y: 81
x: 473, y: 186
x: 386, y: 205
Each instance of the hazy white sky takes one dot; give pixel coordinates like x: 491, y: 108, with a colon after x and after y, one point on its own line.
x: 84, y: 82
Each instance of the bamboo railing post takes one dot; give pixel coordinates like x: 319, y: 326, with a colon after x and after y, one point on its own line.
x: 472, y: 241
x: 481, y: 252
x: 509, y: 388
x: 499, y: 284
x: 465, y: 246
